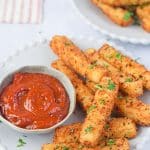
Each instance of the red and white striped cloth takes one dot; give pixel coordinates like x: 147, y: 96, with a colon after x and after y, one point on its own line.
x: 21, y: 11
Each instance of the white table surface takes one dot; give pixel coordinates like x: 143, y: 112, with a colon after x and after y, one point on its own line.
x: 59, y: 18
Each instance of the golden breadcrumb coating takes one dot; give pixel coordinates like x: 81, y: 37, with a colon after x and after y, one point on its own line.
x: 127, y: 83
x: 124, y: 2
x: 115, y: 128
x: 143, y: 13
x: 116, y: 14
x: 120, y: 128
x: 125, y: 64
x: 109, y: 144
x: 73, y: 57
x: 134, y: 109
x: 94, y: 122
x: 83, y: 93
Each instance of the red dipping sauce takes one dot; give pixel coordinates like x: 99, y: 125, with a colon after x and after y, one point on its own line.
x: 34, y: 101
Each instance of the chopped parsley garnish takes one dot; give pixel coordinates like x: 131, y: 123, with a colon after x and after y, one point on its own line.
x: 127, y: 16
x: 129, y: 80
x: 0, y: 121
x: 93, y: 64
x: 98, y: 86
x: 118, y: 56
x: 88, y: 129
x: 21, y: 142
x: 65, y: 148
x: 111, y: 85
x: 91, y: 108
x: 107, y: 126
x: 57, y: 147
x: 102, y: 101
x: 110, y: 142
x: 105, y: 65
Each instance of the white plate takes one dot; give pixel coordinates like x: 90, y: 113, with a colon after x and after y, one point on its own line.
x: 39, y: 53
x: 99, y: 21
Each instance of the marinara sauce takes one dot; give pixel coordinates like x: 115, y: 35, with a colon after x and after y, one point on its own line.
x: 34, y: 101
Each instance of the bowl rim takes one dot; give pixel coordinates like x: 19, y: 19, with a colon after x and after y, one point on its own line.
x: 65, y: 81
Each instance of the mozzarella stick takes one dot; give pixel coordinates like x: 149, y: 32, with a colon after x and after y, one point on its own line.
x: 83, y: 93
x: 127, y: 83
x: 125, y: 64
x: 143, y: 13
x: 124, y: 2
x: 120, y: 128
x: 95, y: 120
x: 115, y: 128
x: 74, y: 58
x: 116, y: 14
x: 134, y: 109
x: 109, y: 144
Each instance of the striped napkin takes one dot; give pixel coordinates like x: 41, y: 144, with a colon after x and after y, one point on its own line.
x: 21, y: 11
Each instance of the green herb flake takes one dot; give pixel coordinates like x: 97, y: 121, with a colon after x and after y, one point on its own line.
x: 127, y: 16
x: 120, y: 96
x: 98, y: 86
x: 110, y: 142
x: 21, y: 143
x: 0, y: 121
x: 107, y: 126
x: 92, y: 65
x: 105, y: 65
x: 118, y: 56
x: 111, y: 85
x: 128, y: 80
x: 102, y: 101
x: 65, y: 148
x: 57, y: 147
x: 88, y: 129
x: 91, y: 108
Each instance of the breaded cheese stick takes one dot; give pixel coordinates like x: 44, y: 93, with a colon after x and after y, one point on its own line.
x: 134, y: 109
x: 124, y: 2
x: 115, y: 128
x: 125, y: 64
x: 120, y: 128
x: 127, y: 83
x: 73, y: 57
x: 109, y: 144
x: 84, y: 94
x: 143, y: 13
x: 116, y: 14
x: 95, y: 120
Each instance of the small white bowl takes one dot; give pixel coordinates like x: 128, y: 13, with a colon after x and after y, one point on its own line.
x: 45, y: 70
